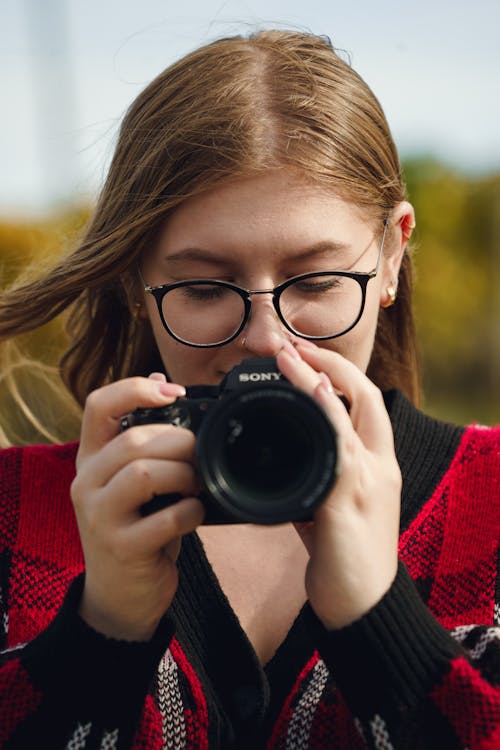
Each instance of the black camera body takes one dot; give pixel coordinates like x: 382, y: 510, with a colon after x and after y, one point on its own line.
x: 266, y: 452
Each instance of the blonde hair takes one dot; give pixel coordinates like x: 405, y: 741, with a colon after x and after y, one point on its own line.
x: 236, y: 107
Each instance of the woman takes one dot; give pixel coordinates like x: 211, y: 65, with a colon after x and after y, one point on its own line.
x: 262, y: 167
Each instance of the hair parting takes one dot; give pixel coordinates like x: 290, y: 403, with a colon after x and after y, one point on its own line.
x: 278, y: 100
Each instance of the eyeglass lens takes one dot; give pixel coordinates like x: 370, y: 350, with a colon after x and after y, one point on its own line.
x: 318, y: 306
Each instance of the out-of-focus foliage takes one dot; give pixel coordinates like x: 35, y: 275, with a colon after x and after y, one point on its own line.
x: 457, y: 296
x: 38, y: 241
x: 457, y: 291
x: 29, y: 248
x: 32, y: 394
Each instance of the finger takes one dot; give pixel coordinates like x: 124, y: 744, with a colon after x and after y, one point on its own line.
x: 335, y: 409
x: 159, y: 529
x: 159, y: 376
x: 367, y: 409
x: 305, y: 377
x: 142, y: 480
x: 155, y: 441
x: 105, y: 407
x: 300, y: 373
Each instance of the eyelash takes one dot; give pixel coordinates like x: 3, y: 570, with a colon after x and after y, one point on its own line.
x: 204, y: 293
x: 320, y: 286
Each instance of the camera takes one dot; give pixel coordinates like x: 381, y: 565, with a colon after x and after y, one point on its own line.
x: 266, y: 453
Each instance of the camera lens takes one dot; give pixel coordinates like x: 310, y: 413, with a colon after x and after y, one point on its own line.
x: 264, y: 461
x: 267, y: 454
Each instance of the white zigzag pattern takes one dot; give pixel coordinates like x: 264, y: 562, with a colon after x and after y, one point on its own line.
x: 81, y: 733
x: 297, y: 737
x: 359, y: 726
x: 170, y: 704
x: 110, y: 740
x: 380, y: 734
x: 486, y: 637
x: 79, y: 738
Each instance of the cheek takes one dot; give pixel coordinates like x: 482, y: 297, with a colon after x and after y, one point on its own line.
x: 184, y: 364
x: 357, y: 345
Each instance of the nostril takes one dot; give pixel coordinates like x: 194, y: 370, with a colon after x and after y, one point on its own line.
x: 263, y: 342
x: 264, y: 333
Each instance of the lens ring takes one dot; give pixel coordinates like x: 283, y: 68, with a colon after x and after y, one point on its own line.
x: 242, y: 494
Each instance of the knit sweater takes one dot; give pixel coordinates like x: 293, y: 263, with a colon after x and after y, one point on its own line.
x: 419, y: 670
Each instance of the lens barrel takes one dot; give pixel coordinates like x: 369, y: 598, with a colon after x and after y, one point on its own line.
x: 266, y: 454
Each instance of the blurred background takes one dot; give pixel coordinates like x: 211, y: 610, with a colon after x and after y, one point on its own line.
x: 71, y: 68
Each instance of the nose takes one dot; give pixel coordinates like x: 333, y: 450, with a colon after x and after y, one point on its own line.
x: 264, y: 334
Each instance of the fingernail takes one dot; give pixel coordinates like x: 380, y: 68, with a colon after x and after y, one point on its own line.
x: 291, y: 350
x: 326, y: 382
x: 172, y: 389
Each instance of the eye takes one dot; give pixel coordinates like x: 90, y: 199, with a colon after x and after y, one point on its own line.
x: 318, y: 284
x: 205, y: 292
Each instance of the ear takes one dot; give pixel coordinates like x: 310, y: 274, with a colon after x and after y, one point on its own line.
x: 401, y: 225
x: 135, y: 295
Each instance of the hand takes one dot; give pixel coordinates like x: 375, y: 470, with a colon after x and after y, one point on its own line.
x: 130, y: 561
x: 353, y: 540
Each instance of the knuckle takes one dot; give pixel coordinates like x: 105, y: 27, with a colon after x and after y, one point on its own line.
x: 139, y: 388
x: 176, y: 523
x: 79, y: 490
x: 93, y: 401
x: 373, y: 392
x: 135, y: 387
x: 139, y: 471
x: 75, y: 490
x: 99, y: 398
x: 132, y: 440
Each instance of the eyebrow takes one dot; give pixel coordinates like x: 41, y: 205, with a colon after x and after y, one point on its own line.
x: 199, y: 254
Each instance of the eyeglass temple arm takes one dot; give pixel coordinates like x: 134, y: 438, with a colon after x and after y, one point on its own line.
x: 375, y: 270
x: 147, y: 287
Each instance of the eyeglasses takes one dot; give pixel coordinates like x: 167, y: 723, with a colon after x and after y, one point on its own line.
x: 317, y: 306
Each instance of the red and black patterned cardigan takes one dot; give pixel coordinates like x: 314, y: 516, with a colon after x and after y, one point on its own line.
x: 420, y: 670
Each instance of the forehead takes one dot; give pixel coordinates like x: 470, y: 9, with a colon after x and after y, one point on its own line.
x: 276, y: 208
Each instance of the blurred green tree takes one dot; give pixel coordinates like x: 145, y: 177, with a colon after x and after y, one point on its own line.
x: 457, y: 259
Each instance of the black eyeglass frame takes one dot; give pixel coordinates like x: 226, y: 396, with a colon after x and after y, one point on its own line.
x: 362, y: 279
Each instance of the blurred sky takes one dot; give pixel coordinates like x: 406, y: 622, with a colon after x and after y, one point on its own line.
x: 71, y: 67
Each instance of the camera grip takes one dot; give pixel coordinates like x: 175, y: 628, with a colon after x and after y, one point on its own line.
x: 158, y: 502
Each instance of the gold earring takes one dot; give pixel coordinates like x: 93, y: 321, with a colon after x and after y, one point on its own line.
x: 391, y: 296
x: 136, y: 309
